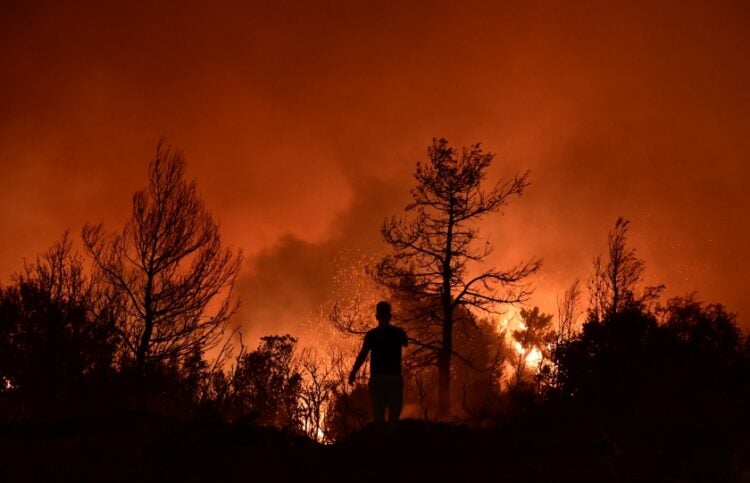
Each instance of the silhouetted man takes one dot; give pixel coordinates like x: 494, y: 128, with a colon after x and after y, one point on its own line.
x: 386, y: 384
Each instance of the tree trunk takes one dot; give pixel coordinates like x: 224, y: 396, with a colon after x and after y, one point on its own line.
x: 140, y: 357
x: 444, y: 384
x: 444, y: 360
x: 444, y: 356
x: 148, y: 328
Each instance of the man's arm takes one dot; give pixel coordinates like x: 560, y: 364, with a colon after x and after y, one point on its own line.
x: 361, y: 357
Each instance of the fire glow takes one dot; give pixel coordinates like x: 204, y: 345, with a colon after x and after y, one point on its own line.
x: 510, y: 321
x: 531, y: 357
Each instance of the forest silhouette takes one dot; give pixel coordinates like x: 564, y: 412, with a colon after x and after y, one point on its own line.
x: 123, y: 361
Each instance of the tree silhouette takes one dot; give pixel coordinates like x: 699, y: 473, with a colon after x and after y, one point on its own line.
x: 568, y: 311
x: 267, y: 384
x: 167, y: 269
x: 433, y: 250
x: 616, y: 285
x: 710, y: 332
x: 56, y: 332
x: 620, y: 327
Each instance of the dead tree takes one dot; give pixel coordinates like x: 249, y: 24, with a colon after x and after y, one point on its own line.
x: 167, y: 269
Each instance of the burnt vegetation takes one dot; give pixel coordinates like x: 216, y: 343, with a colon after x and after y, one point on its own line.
x: 120, y: 362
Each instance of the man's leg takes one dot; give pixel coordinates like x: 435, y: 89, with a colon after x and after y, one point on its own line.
x: 395, y: 399
x: 378, y: 400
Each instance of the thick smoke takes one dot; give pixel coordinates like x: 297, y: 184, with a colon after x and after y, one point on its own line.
x: 302, y: 124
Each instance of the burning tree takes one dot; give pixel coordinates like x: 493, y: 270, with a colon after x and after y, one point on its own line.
x: 167, y: 270
x: 532, y: 338
x: 322, y: 396
x: 434, y: 250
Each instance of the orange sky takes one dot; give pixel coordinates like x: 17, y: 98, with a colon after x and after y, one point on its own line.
x: 302, y: 124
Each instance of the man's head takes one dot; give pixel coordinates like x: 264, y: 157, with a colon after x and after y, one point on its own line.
x: 383, y: 312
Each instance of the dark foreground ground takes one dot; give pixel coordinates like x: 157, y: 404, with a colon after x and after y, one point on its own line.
x: 147, y: 448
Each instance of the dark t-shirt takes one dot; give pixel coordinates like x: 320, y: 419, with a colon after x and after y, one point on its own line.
x: 385, y: 343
